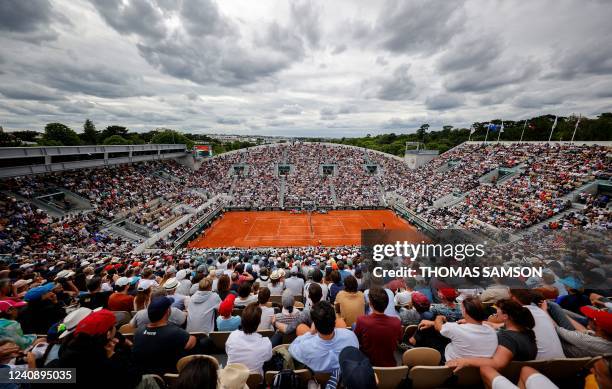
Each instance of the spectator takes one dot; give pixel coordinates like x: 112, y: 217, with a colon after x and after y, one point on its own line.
x: 267, y: 313
x: 201, y: 308
x: 95, y: 297
x: 226, y: 321
x: 121, y: 300
x: 448, y: 307
x: 246, y: 346
x: 160, y: 344
x: 264, y: 278
x: 276, y: 285
x: 468, y: 337
x: 42, y: 310
x: 319, y: 349
x: 378, y: 333
x: 143, y: 296
x: 549, y: 345
x: 141, y: 318
x: 577, y: 344
x: 289, y: 316
x: 92, y: 351
x: 336, y: 286
x: 515, y: 342
x: 350, y: 302
x: 294, y: 284
x: 180, y: 301
x: 529, y: 378
x: 317, y: 278
x: 223, y: 286
x: 244, y: 295
x: 201, y: 373
x: 10, y: 327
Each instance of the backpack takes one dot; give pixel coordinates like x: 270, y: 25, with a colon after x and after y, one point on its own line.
x: 286, y: 379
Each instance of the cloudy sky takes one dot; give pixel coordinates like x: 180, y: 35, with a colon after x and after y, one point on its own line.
x: 321, y: 68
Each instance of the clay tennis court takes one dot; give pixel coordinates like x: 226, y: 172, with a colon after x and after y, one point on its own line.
x: 283, y: 229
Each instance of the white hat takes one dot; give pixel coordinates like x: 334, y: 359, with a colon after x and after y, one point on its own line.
x: 146, y: 284
x: 171, y: 283
x: 21, y: 283
x: 64, y: 274
x: 181, y: 275
x: 73, y: 318
x: 403, y: 298
x: 123, y: 281
x: 275, y: 275
x: 233, y: 376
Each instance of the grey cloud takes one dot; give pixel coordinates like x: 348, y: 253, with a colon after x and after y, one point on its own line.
x: 28, y: 20
x: 399, y: 86
x: 292, y: 109
x: 95, y: 80
x: 139, y: 17
x: 443, y: 102
x: 306, y: 17
x: 381, y: 61
x: 279, y: 123
x: 229, y: 121
x: 492, y: 76
x: 346, y: 109
x: 29, y: 91
x: 418, y: 26
x: 339, y: 49
x: 328, y: 114
x: 472, y: 53
x: 589, y: 58
x: 539, y: 100
x: 202, y: 17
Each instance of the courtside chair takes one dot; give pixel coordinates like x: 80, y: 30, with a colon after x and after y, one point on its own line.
x: 429, y: 377
x: 421, y: 356
x: 390, y: 377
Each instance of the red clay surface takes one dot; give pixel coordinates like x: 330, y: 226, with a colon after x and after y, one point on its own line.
x: 283, y: 229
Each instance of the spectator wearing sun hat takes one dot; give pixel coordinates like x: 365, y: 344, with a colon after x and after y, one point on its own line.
x: 42, y: 310
x: 180, y: 301
x: 91, y: 350
x: 10, y: 327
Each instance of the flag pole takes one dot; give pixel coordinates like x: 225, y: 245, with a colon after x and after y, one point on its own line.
x: 523, y: 132
x: 501, y: 129
x: 487, y: 136
x: 575, y: 128
x: 552, y: 128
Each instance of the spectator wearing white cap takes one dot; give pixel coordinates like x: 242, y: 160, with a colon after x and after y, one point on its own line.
x: 184, y: 282
x: 120, y: 300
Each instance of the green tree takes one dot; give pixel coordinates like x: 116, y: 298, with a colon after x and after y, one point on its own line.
x: 113, y: 130
x: 8, y: 140
x: 26, y: 135
x: 167, y: 136
x: 116, y: 140
x: 90, y: 134
x: 60, y: 134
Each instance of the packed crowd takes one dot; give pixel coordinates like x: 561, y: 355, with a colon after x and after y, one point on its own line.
x: 329, y: 308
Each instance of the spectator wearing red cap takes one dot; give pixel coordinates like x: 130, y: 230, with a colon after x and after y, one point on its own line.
x: 598, y: 341
x: 91, y: 350
x: 448, y: 307
x: 160, y: 344
x: 225, y: 321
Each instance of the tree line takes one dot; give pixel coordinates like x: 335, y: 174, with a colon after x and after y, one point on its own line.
x: 535, y: 129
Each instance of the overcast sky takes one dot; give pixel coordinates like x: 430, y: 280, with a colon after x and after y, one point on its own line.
x: 320, y: 68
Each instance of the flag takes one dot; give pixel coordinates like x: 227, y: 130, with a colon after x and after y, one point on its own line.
x: 472, y: 130
x: 554, y: 124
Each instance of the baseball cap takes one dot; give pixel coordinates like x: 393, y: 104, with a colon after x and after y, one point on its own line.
x: 357, y: 371
x: 36, y: 293
x: 158, y: 307
x: 448, y: 293
x: 96, y: 323
x: 603, y: 319
x: 123, y: 281
x: 403, y: 298
x: 5, y: 305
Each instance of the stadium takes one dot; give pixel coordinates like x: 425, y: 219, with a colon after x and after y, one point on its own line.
x: 305, y: 194
x: 98, y: 222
